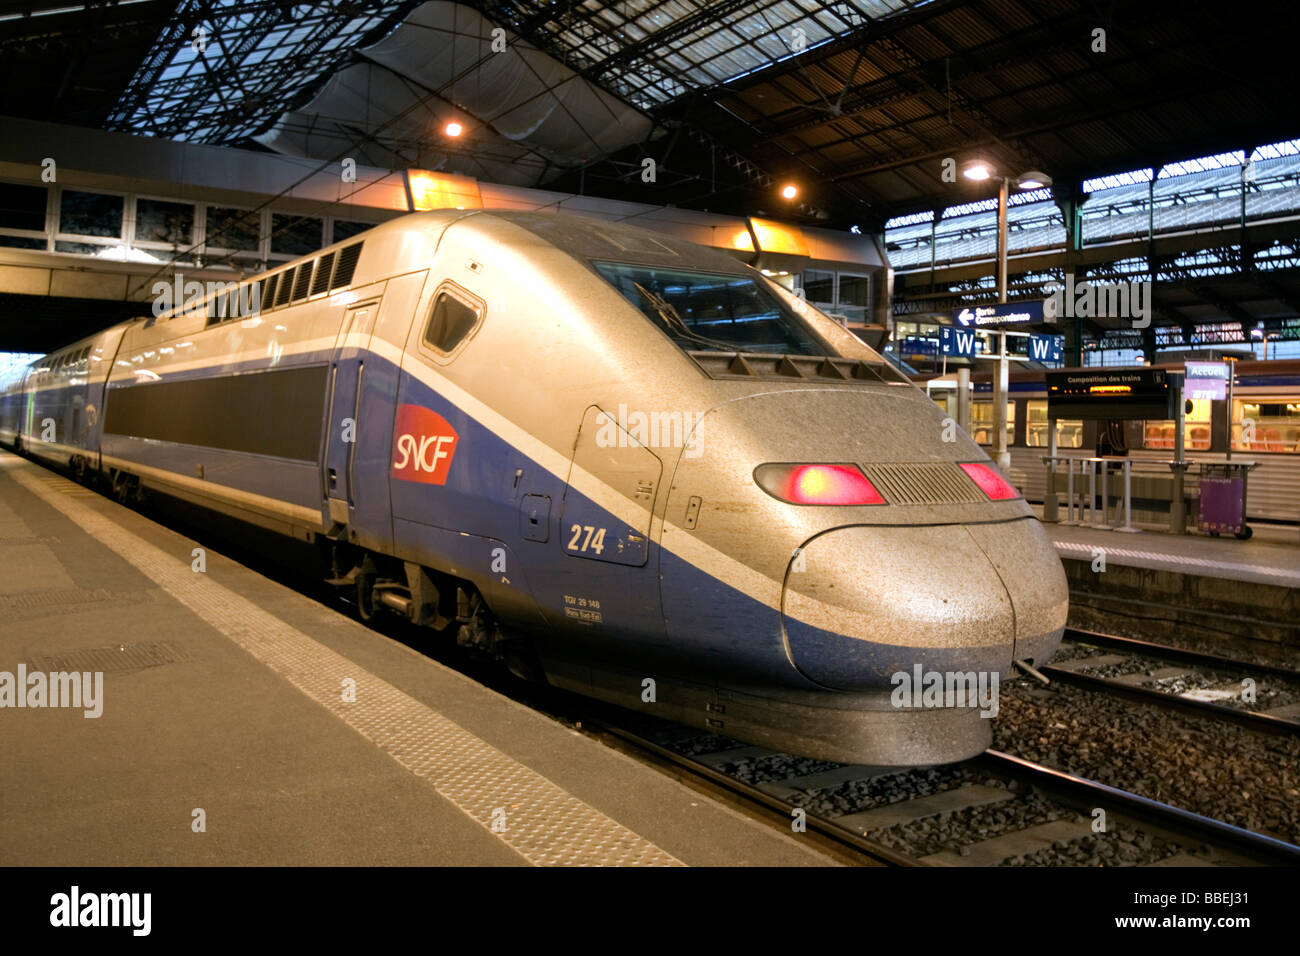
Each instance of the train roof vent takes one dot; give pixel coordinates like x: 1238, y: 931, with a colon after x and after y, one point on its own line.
x: 302, y: 283
x: 347, y: 265
x: 924, y: 483
x: 285, y: 287
x: 812, y: 368
x: 323, y: 270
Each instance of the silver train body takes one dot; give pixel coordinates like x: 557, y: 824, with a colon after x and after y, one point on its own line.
x: 611, y: 457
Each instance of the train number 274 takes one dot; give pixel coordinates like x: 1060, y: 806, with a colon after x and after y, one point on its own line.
x: 594, y: 541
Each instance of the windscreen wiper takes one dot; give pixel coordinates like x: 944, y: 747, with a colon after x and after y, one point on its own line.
x: 670, y: 317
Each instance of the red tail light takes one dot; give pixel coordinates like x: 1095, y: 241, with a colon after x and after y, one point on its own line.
x: 818, y: 484
x: 990, y: 482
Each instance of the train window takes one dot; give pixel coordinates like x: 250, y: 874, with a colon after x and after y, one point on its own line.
x: 1267, y: 424
x: 819, y: 286
x: 23, y: 207
x: 1069, y: 431
x: 160, y: 221
x: 295, y: 235
x: 235, y: 229
x: 982, y: 421
x: 854, y: 290
x: 90, y: 214
x: 702, y: 311
x: 450, y: 321
x: 1196, y: 430
x: 345, y: 229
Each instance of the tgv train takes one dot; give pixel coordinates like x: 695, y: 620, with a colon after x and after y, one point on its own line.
x: 625, y: 463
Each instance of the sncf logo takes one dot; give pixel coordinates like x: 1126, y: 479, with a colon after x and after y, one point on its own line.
x: 423, y: 445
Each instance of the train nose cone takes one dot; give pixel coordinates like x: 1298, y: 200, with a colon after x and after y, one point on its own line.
x: 864, y: 603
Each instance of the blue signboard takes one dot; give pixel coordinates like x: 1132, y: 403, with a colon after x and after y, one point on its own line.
x: 918, y: 345
x: 999, y: 316
x: 1048, y: 349
x: 954, y: 341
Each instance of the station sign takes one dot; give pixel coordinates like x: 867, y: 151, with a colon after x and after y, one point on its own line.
x: 1208, y: 380
x: 1047, y: 349
x: 959, y: 342
x: 999, y: 316
x: 918, y: 345
x: 1114, y: 394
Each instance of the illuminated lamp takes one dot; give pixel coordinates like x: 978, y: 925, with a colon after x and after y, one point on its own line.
x: 810, y: 484
x: 990, y: 482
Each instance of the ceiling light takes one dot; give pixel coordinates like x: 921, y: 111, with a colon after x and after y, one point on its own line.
x: 453, y: 129
x: 1034, y: 179
x: 789, y: 191
x: 978, y: 170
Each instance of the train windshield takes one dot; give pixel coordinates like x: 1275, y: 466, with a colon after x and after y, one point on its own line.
x: 703, y: 311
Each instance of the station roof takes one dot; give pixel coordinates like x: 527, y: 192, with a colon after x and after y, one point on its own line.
x: 859, y: 101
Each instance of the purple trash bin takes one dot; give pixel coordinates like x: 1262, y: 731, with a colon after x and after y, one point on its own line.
x: 1223, y: 503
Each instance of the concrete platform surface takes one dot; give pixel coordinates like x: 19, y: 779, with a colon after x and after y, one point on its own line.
x: 1273, y: 561
x: 243, y: 723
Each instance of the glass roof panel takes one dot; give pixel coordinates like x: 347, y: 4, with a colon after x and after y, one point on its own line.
x: 227, y: 83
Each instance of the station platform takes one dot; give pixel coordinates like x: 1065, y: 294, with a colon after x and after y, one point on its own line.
x: 1269, y: 557
x: 243, y: 723
x: 1154, y: 584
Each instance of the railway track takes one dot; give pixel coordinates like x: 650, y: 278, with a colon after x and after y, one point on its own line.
x: 1182, y: 679
x: 895, y: 833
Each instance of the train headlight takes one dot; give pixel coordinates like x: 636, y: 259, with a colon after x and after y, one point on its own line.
x: 817, y: 484
x: 990, y: 482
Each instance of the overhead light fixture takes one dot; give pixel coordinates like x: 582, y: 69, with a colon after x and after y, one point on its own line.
x: 453, y: 129
x: 1034, y: 179
x: 977, y: 170
x: 789, y: 191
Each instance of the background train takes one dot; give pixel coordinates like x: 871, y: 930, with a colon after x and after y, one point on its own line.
x: 619, y: 460
x: 1265, y: 393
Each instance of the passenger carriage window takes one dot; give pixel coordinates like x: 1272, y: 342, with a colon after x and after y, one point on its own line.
x: 1266, y: 425
x: 450, y: 321
x: 1196, y: 430
x: 981, y: 422
x: 1069, y: 432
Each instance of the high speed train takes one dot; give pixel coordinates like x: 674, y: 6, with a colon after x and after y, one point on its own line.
x: 626, y: 464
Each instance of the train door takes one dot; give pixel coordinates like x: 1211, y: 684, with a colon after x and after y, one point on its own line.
x: 605, y: 530
x: 347, y: 371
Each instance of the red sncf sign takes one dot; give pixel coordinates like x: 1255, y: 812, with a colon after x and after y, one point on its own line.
x: 423, y: 445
